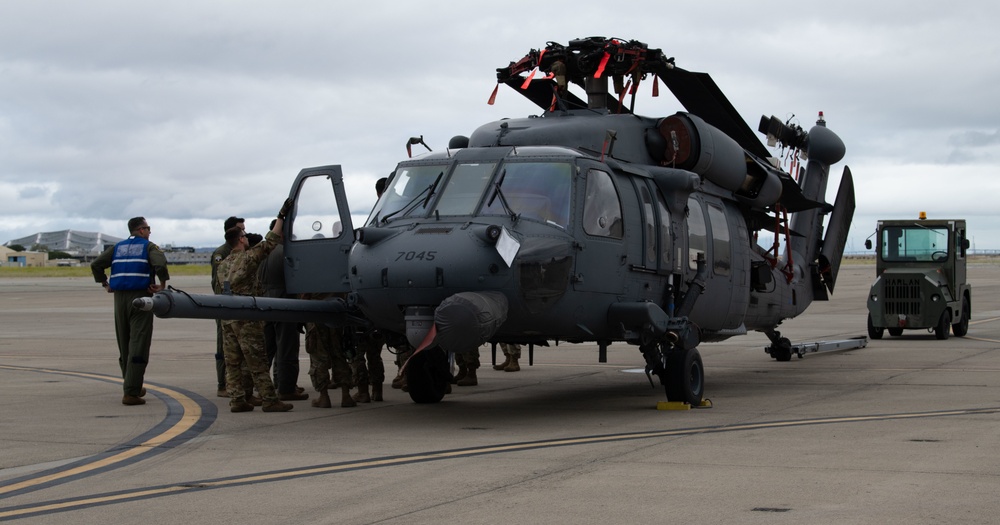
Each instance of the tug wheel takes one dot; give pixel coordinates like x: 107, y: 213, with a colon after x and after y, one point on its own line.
x: 873, y: 331
x: 941, y: 331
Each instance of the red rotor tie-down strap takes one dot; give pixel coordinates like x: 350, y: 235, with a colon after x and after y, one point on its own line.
x: 428, y: 340
x: 602, y: 65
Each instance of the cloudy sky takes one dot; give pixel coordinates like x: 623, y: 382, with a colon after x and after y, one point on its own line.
x: 188, y: 112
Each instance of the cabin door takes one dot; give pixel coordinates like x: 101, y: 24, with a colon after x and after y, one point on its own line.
x: 318, y: 233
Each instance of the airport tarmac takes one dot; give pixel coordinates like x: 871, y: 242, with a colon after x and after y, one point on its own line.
x: 906, y: 430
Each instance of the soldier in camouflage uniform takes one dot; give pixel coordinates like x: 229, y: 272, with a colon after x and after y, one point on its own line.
x: 326, y: 351
x: 218, y: 255
x: 368, y: 368
x: 468, y: 363
x: 243, y: 341
x: 512, y: 352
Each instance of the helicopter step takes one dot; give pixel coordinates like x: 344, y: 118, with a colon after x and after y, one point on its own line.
x: 801, y: 349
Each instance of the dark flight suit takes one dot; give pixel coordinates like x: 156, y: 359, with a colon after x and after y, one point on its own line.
x: 281, y: 340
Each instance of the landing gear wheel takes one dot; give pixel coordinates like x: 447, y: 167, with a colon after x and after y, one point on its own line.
x: 943, y: 326
x: 782, y: 350
x: 685, y: 377
x: 873, y: 332
x: 962, y: 327
x: 895, y: 332
x: 427, y: 376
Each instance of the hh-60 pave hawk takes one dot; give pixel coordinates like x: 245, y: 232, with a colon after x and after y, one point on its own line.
x: 585, y: 223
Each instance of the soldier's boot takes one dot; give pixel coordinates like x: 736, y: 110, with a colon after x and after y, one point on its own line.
x: 397, y: 382
x: 277, y: 406
x: 377, y: 392
x: 512, y: 366
x: 503, y: 365
x: 323, y: 401
x: 462, y: 372
x: 293, y: 396
x: 362, y: 396
x: 240, y: 406
x: 469, y: 379
x: 132, y: 400
x: 346, y: 400
x: 253, y: 400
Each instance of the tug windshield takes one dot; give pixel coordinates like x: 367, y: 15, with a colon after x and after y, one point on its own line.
x: 914, y: 244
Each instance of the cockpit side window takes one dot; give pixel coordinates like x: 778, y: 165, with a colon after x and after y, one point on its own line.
x: 602, y: 208
x: 721, y: 259
x: 649, y: 232
x: 316, y: 212
x: 407, y: 192
x: 697, y: 232
x: 665, y: 239
x: 533, y: 190
x: 464, y: 189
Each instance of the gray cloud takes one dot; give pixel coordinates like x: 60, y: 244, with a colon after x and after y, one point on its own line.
x: 187, y: 113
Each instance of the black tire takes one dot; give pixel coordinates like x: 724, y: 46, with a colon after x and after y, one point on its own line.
x: 962, y: 327
x: 895, y: 332
x: 427, y: 376
x: 943, y: 328
x: 873, y: 332
x: 685, y: 376
x: 782, y: 350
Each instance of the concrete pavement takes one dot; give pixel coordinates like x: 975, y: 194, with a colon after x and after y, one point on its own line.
x: 906, y: 430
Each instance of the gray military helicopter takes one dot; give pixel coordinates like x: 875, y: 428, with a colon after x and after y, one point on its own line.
x: 586, y: 223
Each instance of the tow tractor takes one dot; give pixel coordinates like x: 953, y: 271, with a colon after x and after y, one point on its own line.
x: 920, y: 278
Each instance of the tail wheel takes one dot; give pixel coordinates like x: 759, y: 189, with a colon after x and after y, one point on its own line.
x: 962, y: 327
x: 685, y: 377
x: 427, y: 375
x: 943, y: 326
x: 873, y: 331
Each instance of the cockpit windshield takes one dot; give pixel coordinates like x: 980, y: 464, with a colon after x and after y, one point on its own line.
x: 410, y: 190
x: 914, y: 243
x: 465, y: 189
x: 533, y: 190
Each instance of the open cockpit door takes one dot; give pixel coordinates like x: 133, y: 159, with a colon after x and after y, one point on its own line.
x: 318, y: 233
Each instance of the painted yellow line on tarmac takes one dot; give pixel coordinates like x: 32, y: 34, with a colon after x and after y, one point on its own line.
x: 191, y: 415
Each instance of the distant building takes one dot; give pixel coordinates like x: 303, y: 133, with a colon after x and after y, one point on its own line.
x: 76, y: 243
x: 86, y: 246
x: 184, y: 255
x: 10, y: 257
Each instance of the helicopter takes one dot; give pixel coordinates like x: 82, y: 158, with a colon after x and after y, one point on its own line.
x: 585, y: 223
